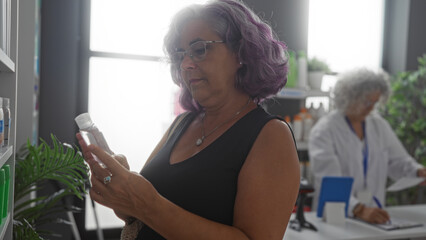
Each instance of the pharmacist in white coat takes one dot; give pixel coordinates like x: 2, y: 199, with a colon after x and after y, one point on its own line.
x: 356, y: 141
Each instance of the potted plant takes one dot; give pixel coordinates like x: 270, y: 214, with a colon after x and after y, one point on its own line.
x: 316, y: 70
x: 35, y: 165
x: 406, y: 113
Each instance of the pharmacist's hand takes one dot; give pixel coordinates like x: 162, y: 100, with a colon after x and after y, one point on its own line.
x: 374, y: 215
x: 118, y: 193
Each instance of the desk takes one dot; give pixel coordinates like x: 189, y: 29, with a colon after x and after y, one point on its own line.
x: 355, y: 230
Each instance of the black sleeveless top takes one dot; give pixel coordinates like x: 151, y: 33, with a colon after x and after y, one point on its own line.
x: 206, y: 183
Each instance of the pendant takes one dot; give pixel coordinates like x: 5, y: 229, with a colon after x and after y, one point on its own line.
x: 199, y: 141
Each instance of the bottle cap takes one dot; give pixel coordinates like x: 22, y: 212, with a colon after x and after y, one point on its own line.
x: 6, y: 102
x: 287, y: 118
x: 83, y: 120
x: 297, y: 117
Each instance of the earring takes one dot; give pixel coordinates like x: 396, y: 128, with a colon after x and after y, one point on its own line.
x: 241, y: 63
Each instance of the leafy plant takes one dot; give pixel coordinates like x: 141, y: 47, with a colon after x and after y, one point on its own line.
x: 406, y: 111
x: 315, y: 64
x: 35, y: 165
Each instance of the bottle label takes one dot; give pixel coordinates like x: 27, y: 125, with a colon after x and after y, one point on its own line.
x: 1, y: 126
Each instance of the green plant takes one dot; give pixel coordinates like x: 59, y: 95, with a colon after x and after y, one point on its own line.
x: 35, y: 165
x: 315, y: 64
x: 406, y: 112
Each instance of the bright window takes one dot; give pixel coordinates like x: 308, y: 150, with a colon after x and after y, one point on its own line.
x: 346, y: 34
x: 131, y: 95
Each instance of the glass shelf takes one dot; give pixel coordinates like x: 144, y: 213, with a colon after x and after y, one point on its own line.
x: 5, y: 154
x: 6, y: 64
x: 4, y: 225
x: 296, y: 93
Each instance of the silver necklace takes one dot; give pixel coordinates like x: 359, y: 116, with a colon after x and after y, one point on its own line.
x: 204, y: 136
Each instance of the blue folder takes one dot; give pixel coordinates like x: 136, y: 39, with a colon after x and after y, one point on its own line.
x: 334, y: 189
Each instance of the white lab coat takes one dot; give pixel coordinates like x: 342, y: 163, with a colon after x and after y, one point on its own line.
x: 335, y: 150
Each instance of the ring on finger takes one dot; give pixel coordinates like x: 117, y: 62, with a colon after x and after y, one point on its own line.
x: 107, y: 179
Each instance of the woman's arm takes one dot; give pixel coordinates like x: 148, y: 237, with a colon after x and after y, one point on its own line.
x: 268, y: 184
x: 267, y: 191
x: 119, y: 157
x: 132, y: 195
x: 122, y: 159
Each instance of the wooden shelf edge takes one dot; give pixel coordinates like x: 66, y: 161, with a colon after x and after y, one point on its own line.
x: 6, y: 64
x: 5, y: 154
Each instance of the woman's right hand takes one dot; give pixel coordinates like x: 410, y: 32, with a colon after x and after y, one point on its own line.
x: 373, y: 215
x: 119, y: 157
x: 122, y: 160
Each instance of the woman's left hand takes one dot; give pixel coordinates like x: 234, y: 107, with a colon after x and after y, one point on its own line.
x: 114, y: 186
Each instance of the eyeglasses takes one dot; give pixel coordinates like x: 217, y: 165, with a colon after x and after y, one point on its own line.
x: 196, y: 51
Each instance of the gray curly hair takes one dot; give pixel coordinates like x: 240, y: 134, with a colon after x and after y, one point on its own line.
x: 354, y: 86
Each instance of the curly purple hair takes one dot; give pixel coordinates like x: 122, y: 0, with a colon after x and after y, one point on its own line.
x: 264, y: 57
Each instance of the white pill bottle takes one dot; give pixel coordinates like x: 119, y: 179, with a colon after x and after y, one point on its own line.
x: 90, y: 132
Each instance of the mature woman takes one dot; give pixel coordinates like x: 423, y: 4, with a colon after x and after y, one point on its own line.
x: 226, y: 169
x: 355, y: 141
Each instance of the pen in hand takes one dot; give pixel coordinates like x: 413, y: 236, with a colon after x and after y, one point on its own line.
x: 376, y: 200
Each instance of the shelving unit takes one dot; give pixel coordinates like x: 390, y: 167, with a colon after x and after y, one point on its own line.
x: 6, y: 64
x: 289, y: 101
x: 300, y: 94
x: 3, y: 227
x: 5, y: 154
x: 8, y: 89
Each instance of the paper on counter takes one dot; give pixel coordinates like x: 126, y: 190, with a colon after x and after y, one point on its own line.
x: 404, y: 183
